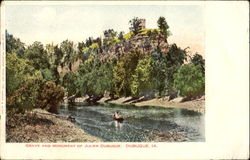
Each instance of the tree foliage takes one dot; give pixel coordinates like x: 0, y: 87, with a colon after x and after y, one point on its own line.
x: 69, y: 83
x: 95, y: 78
x: 27, y: 69
x: 165, y: 65
x: 110, y: 33
x: 135, y: 25
x: 69, y: 54
x: 89, y: 42
x: 121, y: 35
x: 174, y: 59
x: 104, y: 82
x: 159, y: 72
x: 123, y: 73
x: 198, y: 60
x: 22, y: 83
x: 163, y: 26
x: 189, y: 81
x: 142, y: 78
x: 37, y: 56
x: 33, y: 77
x: 14, y: 45
x: 50, y: 96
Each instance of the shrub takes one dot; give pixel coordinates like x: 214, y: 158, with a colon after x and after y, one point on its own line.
x: 93, y: 45
x: 50, y: 96
x: 128, y: 35
x: 149, y: 31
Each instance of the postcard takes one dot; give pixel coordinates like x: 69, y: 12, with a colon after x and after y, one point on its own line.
x: 124, y: 80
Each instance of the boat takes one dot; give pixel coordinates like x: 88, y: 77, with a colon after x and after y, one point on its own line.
x: 119, y: 119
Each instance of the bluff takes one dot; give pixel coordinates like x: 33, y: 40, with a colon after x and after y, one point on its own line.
x: 144, y: 42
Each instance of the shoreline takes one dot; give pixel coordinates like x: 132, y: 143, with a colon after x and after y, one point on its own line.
x: 197, y: 105
x: 40, y: 126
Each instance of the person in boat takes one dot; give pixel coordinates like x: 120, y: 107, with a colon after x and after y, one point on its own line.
x: 117, y: 117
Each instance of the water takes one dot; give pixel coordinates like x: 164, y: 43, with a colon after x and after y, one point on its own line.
x: 141, y: 124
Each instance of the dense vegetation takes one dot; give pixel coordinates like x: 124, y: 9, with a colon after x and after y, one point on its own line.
x: 33, y: 78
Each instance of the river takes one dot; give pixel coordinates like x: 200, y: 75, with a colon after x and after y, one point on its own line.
x: 142, y: 124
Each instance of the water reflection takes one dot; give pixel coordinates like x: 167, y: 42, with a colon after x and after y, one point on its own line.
x: 141, y: 124
x: 118, y: 125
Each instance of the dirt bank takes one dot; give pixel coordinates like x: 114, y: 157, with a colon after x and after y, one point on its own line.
x: 39, y: 126
x: 195, y: 105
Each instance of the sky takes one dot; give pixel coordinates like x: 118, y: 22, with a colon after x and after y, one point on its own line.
x: 55, y: 23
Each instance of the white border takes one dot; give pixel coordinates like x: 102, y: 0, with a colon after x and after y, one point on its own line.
x: 227, y: 78
x: 2, y: 79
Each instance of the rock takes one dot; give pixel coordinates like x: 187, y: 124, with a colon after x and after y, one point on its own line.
x: 168, y: 136
x: 166, y: 98
x: 202, y: 98
x: 177, y: 100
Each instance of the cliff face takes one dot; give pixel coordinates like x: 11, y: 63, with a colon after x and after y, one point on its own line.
x: 146, y: 42
x: 142, y: 43
x: 63, y: 70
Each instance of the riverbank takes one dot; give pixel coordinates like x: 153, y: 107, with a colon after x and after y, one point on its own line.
x: 40, y: 126
x: 197, y: 105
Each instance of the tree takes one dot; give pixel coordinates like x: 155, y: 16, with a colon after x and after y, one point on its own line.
x: 176, y: 55
x: 50, y: 96
x: 46, y: 60
x: 80, y: 48
x: 104, y: 82
x: 159, y: 72
x: 163, y: 26
x: 89, y: 41
x: 55, y: 56
x: 22, y: 83
x: 142, y: 77
x: 26, y: 75
x: 123, y: 73
x: 135, y: 25
x: 47, y: 75
x: 14, y: 45
x: 174, y: 59
x: 120, y: 36
x: 121, y: 80
x: 110, y: 33
x: 69, y: 54
x: 98, y: 40
x: 69, y: 82
x: 189, y: 81
x: 94, y: 78
x: 198, y: 60
x: 86, y: 79
x: 37, y: 56
x: 165, y: 65
x: 55, y: 77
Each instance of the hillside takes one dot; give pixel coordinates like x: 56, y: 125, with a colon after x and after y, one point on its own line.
x: 145, y: 41
x: 138, y: 63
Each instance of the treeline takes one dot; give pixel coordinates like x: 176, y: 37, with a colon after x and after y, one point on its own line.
x: 33, y: 79
x: 137, y: 74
